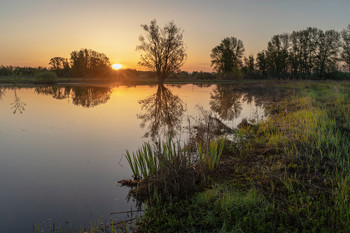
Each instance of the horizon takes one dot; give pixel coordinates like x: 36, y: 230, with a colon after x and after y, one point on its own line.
x: 34, y: 33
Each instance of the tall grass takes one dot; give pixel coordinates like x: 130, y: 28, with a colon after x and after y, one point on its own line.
x: 148, y: 160
x: 211, y: 157
x: 167, y: 171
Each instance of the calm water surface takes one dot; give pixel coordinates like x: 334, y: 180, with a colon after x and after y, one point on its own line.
x: 62, y: 148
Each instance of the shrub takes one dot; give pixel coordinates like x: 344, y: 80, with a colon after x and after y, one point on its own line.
x: 46, y: 77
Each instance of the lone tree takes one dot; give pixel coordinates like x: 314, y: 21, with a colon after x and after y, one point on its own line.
x: 227, y: 56
x: 163, y: 49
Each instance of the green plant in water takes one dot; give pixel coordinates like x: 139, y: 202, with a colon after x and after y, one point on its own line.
x: 144, y: 162
x: 168, y: 171
x: 147, y: 160
x: 211, y: 157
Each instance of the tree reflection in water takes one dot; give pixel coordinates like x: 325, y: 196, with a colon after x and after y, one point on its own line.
x: 2, y: 92
x: 226, y: 103
x: 17, y: 105
x: 163, y: 113
x: 87, y: 97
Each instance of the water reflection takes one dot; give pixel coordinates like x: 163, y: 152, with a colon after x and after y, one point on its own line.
x: 17, y: 105
x: 226, y: 103
x: 87, y: 97
x: 2, y: 92
x: 163, y: 112
x: 48, y: 180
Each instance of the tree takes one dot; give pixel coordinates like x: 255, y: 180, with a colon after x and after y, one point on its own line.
x: 227, y: 56
x: 345, y: 55
x: 249, y: 67
x: 329, y: 44
x: 277, y: 55
x: 261, y: 63
x: 163, y: 49
x: 309, y: 42
x: 59, y: 65
x: 86, y: 62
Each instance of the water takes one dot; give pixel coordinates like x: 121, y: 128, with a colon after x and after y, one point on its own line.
x: 62, y: 148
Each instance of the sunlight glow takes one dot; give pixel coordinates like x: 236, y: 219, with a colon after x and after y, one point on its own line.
x: 117, y: 66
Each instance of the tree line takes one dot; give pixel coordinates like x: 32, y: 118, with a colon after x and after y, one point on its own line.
x: 82, y: 63
x: 20, y: 71
x: 305, y: 54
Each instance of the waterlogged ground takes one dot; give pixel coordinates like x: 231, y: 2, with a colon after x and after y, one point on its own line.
x: 62, y: 148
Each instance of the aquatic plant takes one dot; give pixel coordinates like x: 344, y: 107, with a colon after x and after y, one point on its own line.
x: 168, y: 171
x: 211, y: 157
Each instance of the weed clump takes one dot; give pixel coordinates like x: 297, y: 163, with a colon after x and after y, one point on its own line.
x: 168, y: 171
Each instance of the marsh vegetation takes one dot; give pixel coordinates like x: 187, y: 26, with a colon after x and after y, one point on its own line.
x: 286, y: 174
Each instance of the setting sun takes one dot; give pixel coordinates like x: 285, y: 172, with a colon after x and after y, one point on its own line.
x: 117, y: 66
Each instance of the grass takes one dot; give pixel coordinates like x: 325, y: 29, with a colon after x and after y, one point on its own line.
x: 46, y: 77
x: 290, y: 173
x: 168, y: 171
x: 128, y: 81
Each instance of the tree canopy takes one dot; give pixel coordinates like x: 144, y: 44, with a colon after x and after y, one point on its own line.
x: 345, y: 55
x: 227, y: 56
x: 163, y: 49
x: 308, y: 53
x: 87, y: 62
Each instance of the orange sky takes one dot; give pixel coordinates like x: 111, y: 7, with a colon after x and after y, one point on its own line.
x: 34, y: 31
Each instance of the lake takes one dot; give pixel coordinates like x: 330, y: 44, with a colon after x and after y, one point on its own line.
x: 62, y: 147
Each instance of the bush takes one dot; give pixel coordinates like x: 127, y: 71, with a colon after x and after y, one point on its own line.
x: 46, y: 77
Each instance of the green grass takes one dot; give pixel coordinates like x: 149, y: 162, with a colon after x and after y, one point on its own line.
x: 290, y: 173
x: 167, y: 171
x: 47, y: 77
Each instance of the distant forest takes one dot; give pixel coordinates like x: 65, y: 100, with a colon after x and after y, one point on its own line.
x: 305, y: 54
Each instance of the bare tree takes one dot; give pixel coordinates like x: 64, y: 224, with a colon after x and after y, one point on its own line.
x: 163, y: 49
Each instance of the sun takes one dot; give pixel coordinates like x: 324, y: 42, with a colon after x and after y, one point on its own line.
x: 117, y: 66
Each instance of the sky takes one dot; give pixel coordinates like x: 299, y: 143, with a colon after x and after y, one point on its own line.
x: 33, y: 31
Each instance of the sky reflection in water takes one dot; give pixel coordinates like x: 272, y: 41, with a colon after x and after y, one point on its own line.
x: 62, y: 148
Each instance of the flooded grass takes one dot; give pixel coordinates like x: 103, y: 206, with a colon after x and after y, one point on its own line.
x: 289, y: 173
x: 167, y: 172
